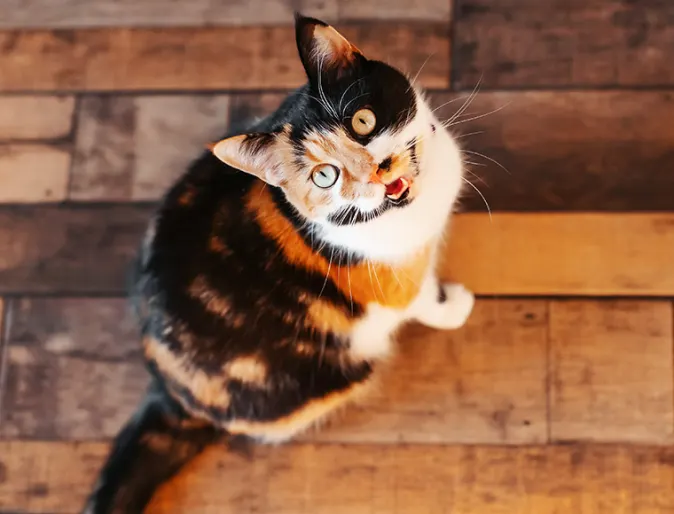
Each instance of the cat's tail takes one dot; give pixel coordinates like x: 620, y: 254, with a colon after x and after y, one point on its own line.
x: 156, y: 442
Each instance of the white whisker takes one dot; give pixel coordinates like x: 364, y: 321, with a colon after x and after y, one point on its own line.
x: 489, y: 159
x: 481, y: 195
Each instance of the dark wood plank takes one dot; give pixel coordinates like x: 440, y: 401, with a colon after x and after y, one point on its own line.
x: 135, y: 147
x: 68, y: 249
x: 158, y: 13
x: 567, y: 151
x: 55, y: 477
x: 74, y: 368
x: 611, y: 371
x: 562, y: 43
x: 200, y: 59
x: 562, y: 151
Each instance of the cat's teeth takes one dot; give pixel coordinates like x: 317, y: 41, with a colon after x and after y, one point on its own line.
x: 397, y: 188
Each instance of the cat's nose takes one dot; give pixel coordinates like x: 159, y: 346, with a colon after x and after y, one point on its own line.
x: 374, y: 177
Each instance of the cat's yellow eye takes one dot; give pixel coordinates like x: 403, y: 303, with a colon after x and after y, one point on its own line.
x: 325, y: 175
x: 363, y: 122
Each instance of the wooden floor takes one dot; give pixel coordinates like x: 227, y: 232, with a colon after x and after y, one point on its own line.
x: 558, y: 395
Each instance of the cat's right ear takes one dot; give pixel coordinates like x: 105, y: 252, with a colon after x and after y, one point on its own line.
x: 324, y: 52
x: 256, y: 154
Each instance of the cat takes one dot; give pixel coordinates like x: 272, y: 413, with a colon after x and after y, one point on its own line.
x: 277, y: 270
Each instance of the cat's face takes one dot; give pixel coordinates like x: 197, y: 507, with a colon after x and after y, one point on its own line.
x: 351, y: 147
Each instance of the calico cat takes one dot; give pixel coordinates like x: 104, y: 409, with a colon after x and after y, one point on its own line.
x: 277, y: 270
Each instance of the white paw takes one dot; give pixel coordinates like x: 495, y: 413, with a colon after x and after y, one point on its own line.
x: 458, y: 305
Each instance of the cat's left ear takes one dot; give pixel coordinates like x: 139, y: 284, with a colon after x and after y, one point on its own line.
x: 257, y: 154
x: 324, y: 51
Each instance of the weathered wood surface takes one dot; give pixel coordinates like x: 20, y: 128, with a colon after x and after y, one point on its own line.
x: 563, y: 43
x: 54, y: 477
x: 232, y: 58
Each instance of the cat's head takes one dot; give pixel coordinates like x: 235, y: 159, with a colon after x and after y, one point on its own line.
x: 355, y: 148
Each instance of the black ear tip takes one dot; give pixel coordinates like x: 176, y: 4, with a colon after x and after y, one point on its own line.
x: 302, y: 21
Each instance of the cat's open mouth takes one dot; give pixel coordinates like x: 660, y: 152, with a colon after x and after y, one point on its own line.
x: 397, y: 189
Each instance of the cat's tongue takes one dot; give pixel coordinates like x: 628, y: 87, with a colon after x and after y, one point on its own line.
x: 397, y: 188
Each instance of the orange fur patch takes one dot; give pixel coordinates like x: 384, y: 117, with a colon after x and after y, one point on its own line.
x: 247, y: 369
x: 324, y: 316
x: 364, y: 282
x: 214, y: 302
x: 300, y: 420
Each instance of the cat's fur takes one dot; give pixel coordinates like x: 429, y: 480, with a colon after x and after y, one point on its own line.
x: 266, y: 302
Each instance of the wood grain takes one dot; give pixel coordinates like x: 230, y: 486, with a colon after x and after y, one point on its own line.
x: 70, y: 249
x: 584, y: 479
x: 157, y: 13
x: 35, y: 117
x: 428, y: 10
x: 74, y: 368
x: 33, y: 173
x: 136, y: 147
x: 567, y: 151
x: 611, y: 371
x: 563, y: 254
x: 484, y: 383
x: 510, y: 43
x: 199, y: 59
x: 76, y: 249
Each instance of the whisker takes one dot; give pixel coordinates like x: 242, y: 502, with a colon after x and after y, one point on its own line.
x: 476, y: 117
x: 481, y: 196
x: 489, y: 159
x: 414, y: 80
x: 339, y: 106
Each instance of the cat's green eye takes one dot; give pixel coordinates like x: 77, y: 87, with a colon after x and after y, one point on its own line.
x: 363, y: 122
x: 325, y: 175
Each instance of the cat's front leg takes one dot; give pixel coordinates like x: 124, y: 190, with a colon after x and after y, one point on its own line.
x: 442, y: 305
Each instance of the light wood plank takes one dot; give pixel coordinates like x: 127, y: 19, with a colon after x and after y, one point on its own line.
x: 515, y: 43
x: 55, y: 477
x: 484, y: 383
x: 563, y: 254
x: 35, y: 117
x: 74, y: 368
x: 428, y: 10
x: 199, y: 59
x: 33, y: 173
x: 157, y: 13
x: 611, y: 371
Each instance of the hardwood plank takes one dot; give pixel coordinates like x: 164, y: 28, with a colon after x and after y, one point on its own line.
x: 199, y: 59
x: 562, y: 43
x: 74, y: 368
x: 484, y: 383
x: 567, y: 151
x: 77, y: 250
x: 583, y: 479
x: 136, y: 147
x: 427, y: 10
x: 75, y: 372
x: 33, y: 173
x: 611, y: 371
x: 563, y: 151
x: 46, y: 249
x: 35, y: 117
x: 158, y: 13
x: 563, y: 254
